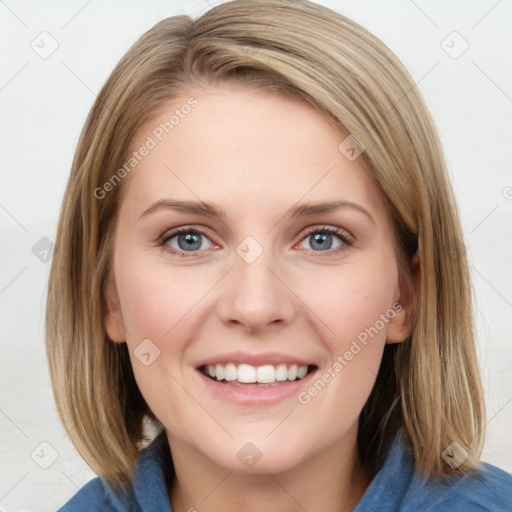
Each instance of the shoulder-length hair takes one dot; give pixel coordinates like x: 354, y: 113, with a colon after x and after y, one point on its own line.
x: 430, y: 384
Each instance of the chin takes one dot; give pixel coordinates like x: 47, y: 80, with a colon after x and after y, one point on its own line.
x: 259, y: 457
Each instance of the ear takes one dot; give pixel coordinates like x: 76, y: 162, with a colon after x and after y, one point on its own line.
x: 400, y: 326
x: 114, y: 324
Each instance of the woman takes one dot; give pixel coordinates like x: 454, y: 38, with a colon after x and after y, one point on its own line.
x: 259, y: 252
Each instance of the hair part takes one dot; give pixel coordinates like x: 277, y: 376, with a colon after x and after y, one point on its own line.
x: 429, y: 384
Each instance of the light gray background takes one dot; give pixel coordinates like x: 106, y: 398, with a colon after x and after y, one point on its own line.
x: 44, y: 103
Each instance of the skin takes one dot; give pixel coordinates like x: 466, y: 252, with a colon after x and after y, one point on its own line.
x: 254, y: 155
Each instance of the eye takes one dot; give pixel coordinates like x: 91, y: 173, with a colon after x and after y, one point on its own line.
x: 321, y: 239
x: 187, y: 240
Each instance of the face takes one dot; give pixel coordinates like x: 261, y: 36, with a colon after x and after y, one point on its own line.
x: 263, y: 284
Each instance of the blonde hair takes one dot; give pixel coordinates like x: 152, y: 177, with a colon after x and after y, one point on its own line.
x: 429, y: 384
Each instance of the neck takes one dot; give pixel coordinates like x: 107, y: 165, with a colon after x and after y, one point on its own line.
x: 330, y: 481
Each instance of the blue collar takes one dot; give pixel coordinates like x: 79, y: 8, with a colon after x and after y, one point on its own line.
x: 396, y: 487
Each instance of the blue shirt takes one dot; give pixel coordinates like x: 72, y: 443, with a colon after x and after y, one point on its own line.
x: 397, y: 487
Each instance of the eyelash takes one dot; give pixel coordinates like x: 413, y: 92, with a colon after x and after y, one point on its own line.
x: 343, y: 235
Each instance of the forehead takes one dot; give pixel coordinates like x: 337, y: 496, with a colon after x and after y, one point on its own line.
x: 238, y: 147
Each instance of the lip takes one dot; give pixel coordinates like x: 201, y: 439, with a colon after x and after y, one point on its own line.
x: 273, y: 358
x: 253, y: 395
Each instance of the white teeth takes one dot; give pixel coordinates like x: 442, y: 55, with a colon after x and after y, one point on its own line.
x: 265, y: 374
x: 248, y: 374
x: 302, y: 371
x: 230, y: 372
x: 282, y: 372
x: 219, y: 372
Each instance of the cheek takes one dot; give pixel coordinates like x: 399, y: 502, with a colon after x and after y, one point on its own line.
x: 350, y: 301
x: 156, y: 299
x: 158, y: 304
x: 353, y: 306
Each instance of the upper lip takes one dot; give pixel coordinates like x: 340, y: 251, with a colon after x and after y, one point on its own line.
x: 273, y: 358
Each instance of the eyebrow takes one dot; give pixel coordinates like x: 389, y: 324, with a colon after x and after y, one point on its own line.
x: 209, y: 210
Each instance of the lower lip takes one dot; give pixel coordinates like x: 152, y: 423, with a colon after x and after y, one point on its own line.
x: 255, y: 395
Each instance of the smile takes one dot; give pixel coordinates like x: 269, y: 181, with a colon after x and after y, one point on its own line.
x: 247, y: 374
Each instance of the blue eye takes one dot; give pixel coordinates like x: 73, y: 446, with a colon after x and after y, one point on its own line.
x: 190, y: 241
x: 322, y: 238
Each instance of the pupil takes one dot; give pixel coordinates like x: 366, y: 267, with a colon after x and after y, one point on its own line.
x: 320, y: 238
x: 190, y: 240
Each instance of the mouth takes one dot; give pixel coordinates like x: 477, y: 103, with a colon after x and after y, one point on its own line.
x: 246, y: 375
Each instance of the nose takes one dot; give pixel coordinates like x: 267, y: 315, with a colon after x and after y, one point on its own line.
x: 256, y: 297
